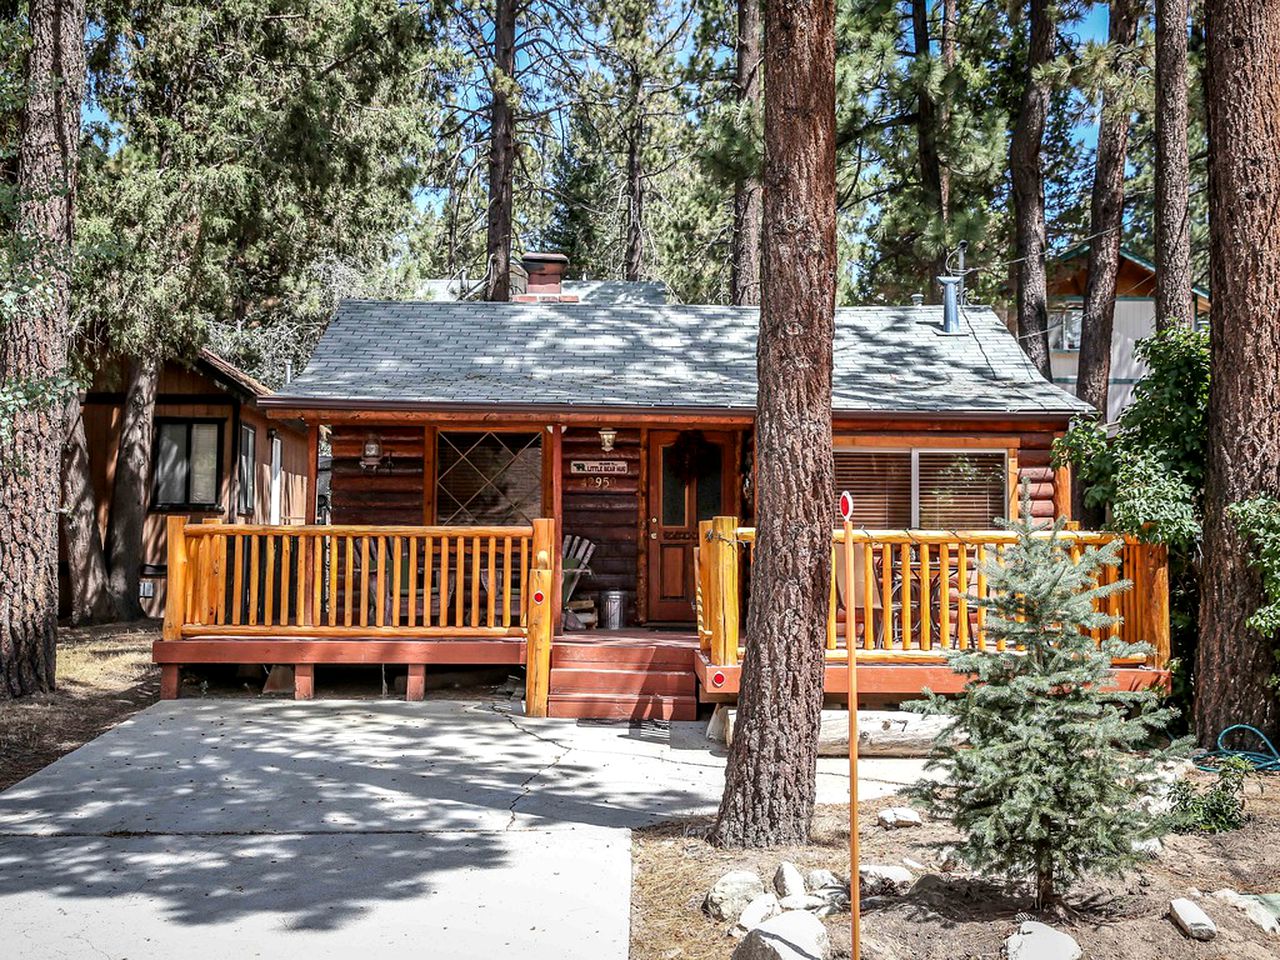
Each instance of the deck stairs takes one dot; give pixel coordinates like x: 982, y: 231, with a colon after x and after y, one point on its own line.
x: 633, y: 680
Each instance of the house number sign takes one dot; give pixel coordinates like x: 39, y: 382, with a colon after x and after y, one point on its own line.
x: 581, y: 468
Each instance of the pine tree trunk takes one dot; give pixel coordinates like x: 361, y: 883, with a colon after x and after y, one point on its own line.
x: 1173, y: 226
x: 86, y: 561
x: 744, y: 279
x: 1028, y: 193
x: 1233, y: 663
x: 928, y: 123
x: 33, y: 348
x: 948, y: 50
x: 770, y: 780
x: 502, y: 154
x: 131, y: 488
x: 1106, y: 216
x: 633, y: 254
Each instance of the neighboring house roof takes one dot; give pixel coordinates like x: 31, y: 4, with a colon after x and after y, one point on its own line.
x: 225, y: 368
x: 616, y: 291
x: 1082, y: 250
x: 400, y: 355
x: 587, y: 291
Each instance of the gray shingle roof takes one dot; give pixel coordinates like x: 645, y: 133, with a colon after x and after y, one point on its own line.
x: 887, y: 359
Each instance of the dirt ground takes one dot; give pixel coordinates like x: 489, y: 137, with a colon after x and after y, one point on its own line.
x: 958, y: 916
x: 105, y: 674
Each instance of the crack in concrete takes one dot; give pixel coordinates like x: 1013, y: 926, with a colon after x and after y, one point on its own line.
x: 525, y: 787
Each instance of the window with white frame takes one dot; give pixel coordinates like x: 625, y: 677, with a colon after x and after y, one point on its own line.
x: 187, y: 464
x: 1064, y: 327
x: 246, y: 473
x: 924, y: 488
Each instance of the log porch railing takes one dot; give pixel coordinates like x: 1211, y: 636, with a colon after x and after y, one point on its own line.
x: 877, y: 608
x: 334, y: 583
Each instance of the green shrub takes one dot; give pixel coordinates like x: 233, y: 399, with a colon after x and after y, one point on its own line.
x: 1217, y: 808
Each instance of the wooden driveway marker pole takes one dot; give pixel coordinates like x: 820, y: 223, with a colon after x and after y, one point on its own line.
x: 855, y: 906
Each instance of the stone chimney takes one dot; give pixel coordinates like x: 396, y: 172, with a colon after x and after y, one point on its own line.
x: 545, y: 276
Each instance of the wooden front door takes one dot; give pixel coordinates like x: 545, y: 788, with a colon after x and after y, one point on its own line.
x: 682, y: 491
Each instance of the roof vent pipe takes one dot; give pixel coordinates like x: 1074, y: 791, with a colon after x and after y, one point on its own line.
x: 950, y: 304
x: 917, y: 299
x: 288, y: 371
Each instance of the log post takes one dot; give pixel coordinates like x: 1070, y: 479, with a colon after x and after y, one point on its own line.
x: 702, y: 572
x: 1156, y: 600
x: 415, y: 687
x: 175, y: 598
x: 724, y: 574
x: 541, y: 619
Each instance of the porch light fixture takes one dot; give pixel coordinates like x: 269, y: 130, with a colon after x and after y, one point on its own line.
x: 607, y: 436
x: 372, y: 457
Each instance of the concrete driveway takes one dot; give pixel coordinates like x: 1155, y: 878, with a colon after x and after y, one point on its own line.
x: 376, y: 829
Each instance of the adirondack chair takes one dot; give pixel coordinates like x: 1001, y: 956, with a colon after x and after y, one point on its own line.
x: 575, y: 564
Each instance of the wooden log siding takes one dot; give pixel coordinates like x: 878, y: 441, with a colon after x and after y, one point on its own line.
x: 390, y: 495
x: 243, y: 580
x: 605, y: 510
x: 909, y: 628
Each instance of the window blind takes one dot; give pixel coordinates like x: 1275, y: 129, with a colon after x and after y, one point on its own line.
x: 880, y: 482
x: 961, y: 491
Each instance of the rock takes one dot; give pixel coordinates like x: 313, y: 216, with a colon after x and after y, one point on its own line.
x: 1151, y: 847
x: 729, y: 895
x: 1193, y: 921
x: 817, y: 879
x: 1251, y: 906
x: 915, y: 865
x: 1038, y: 941
x: 881, y: 733
x: 894, y: 818
x: 949, y: 860
x: 835, y: 900
x: 795, y: 935
x: 788, y: 880
x: 718, y: 725
x: 804, y: 901
x: 755, y: 913
x: 876, y: 880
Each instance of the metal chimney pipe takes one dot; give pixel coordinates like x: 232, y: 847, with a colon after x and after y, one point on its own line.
x: 917, y: 299
x: 950, y: 304
x: 288, y: 371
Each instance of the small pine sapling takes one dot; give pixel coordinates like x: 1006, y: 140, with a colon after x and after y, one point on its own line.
x: 1050, y: 780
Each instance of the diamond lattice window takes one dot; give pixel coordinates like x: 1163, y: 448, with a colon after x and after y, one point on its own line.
x: 488, y: 478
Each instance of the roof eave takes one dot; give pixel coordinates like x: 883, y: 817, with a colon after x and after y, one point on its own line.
x: 302, y: 405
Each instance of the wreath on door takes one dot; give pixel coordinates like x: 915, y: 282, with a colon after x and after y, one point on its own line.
x: 693, y: 456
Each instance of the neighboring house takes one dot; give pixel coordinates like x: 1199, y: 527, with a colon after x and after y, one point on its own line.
x: 1135, y: 319
x: 215, y: 455
x: 539, y: 276
x: 471, y: 440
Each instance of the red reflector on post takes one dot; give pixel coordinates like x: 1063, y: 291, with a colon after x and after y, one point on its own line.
x: 717, y: 679
x: 538, y: 596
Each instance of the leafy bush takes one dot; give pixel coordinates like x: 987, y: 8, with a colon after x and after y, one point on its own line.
x: 1151, y: 474
x: 1049, y: 784
x: 1217, y: 808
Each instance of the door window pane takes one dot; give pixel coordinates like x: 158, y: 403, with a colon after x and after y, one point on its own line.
x: 711, y: 484
x: 673, y: 493
x: 171, y: 463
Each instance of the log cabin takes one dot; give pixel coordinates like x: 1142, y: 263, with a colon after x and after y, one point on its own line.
x: 215, y: 454
x: 471, y: 440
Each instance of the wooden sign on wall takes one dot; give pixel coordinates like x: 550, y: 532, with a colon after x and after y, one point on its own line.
x: 582, y: 468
